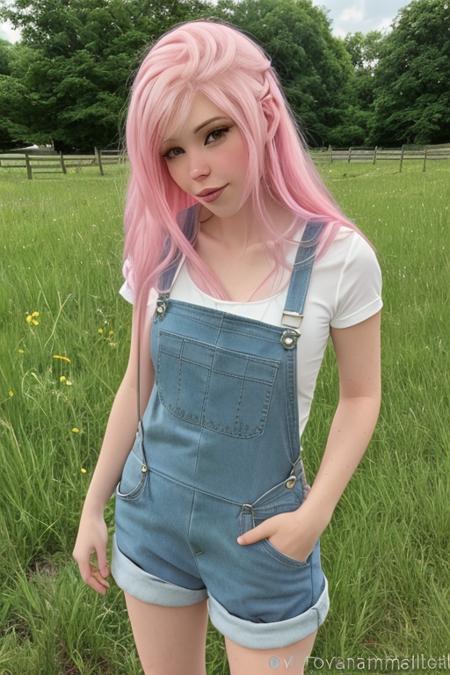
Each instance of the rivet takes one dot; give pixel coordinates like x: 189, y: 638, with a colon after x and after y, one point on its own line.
x: 144, y: 468
x: 290, y: 482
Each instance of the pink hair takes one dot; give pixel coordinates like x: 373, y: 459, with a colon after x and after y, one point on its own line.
x: 219, y: 60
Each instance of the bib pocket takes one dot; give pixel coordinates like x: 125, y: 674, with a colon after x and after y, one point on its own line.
x: 134, y: 473
x: 226, y: 391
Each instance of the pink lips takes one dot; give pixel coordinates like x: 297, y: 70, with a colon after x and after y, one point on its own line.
x: 212, y: 195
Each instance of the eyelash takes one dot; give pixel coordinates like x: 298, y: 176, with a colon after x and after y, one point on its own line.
x: 213, y: 131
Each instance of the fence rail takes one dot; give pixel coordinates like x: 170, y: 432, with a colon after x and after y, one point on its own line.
x: 47, y: 161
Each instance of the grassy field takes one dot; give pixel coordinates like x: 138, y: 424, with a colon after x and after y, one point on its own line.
x: 386, y: 551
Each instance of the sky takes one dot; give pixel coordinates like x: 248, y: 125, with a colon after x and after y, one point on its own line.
x: 347, y: 16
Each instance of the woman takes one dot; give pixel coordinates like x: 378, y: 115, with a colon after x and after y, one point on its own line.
x: 235, y: 297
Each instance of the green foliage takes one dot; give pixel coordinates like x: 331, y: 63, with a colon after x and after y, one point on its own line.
x: 68, y: 79
x: 412, y: 80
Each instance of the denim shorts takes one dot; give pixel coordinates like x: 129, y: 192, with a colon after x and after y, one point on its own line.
x: 175, y: 545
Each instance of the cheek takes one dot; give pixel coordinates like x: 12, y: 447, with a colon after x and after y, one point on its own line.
x: 175, y: 173
x: 239, y: 151
x: 235, y: 154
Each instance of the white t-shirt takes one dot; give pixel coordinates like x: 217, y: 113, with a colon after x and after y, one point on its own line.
x: 344, y: 289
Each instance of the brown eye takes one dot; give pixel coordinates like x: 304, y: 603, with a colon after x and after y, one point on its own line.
x: 222, y: 131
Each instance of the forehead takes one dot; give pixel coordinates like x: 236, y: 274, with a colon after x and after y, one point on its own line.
x: 186, y: 122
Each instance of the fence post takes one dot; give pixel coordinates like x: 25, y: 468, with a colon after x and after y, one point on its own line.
x: 61, y: 160
x: 29, y: 171
x: 375, y: 154
x: 331, y: 152
x: 401, y: 157
x: 349, y: 155
x: 424, y: 159
x: 98, y: 152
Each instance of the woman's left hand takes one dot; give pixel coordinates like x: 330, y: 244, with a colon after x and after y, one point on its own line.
x: 292, y: 533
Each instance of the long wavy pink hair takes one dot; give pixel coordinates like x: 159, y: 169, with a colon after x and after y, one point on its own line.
x: 218, y: 59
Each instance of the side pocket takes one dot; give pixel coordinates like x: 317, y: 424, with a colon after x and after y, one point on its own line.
x: 134, y: 473
x: 275, y: 501
x: 276, y: 553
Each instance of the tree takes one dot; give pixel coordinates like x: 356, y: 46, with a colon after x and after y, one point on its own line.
x: 412, y: 80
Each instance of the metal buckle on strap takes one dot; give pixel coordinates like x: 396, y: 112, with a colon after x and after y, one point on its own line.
x: 161, y: 304
x: 290, y: 336
x: 293, y: 320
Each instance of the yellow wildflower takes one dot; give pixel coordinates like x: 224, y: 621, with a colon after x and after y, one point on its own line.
x: 61, y: 358
x: 31, y: 319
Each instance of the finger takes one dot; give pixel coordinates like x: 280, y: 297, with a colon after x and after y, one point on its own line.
x: 85, y: 569
x: 102, y: 562
x: 97, y: 583
x: 100, y: 579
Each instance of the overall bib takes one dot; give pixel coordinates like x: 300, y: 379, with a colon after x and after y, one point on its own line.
x: 217, y: 453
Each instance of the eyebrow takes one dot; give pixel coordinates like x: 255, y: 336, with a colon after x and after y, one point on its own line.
x: 197, y: 129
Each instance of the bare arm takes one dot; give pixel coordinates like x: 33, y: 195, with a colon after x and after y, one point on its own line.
x: 357, y: 351
x: 122, y: 422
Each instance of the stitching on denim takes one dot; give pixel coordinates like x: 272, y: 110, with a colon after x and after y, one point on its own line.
x: 238, y: 407
x: 221, y: 372
x: 244, y: 430
x: 284, y: 559
x: 275, y: 363
x: 179, y: 373
x: 194, y: 487
x: 185, y: 307
x: 270, y: 340
x: 135, y: 492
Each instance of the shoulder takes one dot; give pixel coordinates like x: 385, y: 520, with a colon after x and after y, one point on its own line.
x: 349, y: 250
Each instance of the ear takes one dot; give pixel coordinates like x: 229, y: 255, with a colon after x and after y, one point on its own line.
x: 272, y: 115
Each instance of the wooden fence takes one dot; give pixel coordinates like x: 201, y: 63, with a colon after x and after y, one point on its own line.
x: 47, y: 161
x: 40, y: 161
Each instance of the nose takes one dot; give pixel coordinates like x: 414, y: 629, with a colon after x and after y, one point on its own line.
x: 198, y: 172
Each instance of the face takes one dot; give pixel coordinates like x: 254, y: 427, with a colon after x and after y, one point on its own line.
x: 204, y: 156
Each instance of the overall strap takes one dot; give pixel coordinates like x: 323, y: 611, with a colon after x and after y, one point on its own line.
x: 298, y: 285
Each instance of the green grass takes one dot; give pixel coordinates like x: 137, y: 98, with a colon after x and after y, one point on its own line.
x: 386, y: 551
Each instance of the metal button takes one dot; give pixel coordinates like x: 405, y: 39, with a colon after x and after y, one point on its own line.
x: 291, y: 481
x: 144, y: 468
x: 289, y: 338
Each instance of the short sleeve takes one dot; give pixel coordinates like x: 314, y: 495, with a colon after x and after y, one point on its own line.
x: 358, y: 293
x: 127, y: 292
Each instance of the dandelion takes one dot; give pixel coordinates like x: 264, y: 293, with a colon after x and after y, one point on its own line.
x: 83, y: 470
x: 21, y: 351
x: 31, y: 319
x: 100, y: 331
x: 75, y: 430
x: 10, y: 393
x: 61, y: 358
x: 64, y: 380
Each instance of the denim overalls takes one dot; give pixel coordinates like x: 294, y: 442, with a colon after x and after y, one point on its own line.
x: 217, y: 453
